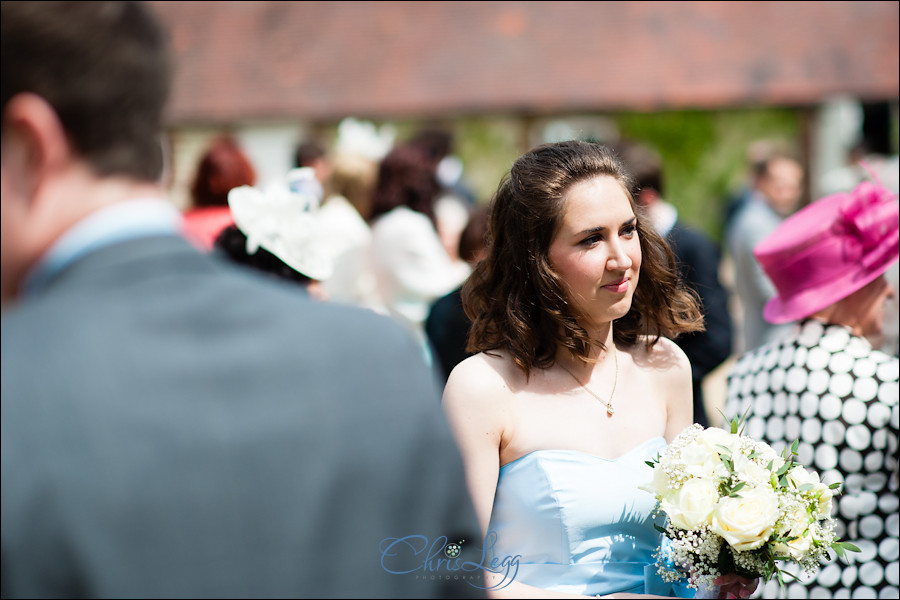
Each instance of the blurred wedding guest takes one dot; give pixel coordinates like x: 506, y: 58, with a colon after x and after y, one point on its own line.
x: 222, y: 168
x: 439, y: 144
x: 698, y: 266
x: 758, y: 152
x: 825, y: 385
x: 412, y: 268
x: 860, y: 166
x: 311, y: 153
x: 278, y: 232
x: 344, y: 231
x: 777, y: 195
x: 447, y: 325
x: 455, y: 199
x: 174, y: 426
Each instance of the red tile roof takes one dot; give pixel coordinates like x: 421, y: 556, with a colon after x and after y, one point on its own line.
x: 326, y: 60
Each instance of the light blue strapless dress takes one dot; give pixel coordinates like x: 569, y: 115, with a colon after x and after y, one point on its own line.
x: 579, y: 523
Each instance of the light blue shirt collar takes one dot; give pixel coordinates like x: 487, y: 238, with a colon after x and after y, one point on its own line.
x: 119, y: 222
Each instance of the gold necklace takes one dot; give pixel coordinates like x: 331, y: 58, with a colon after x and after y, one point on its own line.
x: 609, y: 407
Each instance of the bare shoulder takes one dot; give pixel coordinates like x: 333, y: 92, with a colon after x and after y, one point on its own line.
x: 480, y: 377
x: 477, y: 400
x: 664, y: 357
x: 483, y: 386
x: 668, y: 351
x: 672, y: 378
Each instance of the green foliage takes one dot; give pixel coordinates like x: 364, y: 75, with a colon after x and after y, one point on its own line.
x: 841, y: 548
x: 488, y: 147
x: 704, y: 154
x: 736, y: 424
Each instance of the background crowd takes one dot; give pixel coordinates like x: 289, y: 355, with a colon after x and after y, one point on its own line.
x: 292, y: 341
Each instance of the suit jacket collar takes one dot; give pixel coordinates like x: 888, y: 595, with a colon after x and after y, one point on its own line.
x: 132, y: 219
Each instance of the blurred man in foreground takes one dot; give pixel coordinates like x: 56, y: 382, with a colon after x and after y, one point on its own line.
x: 173, y: 426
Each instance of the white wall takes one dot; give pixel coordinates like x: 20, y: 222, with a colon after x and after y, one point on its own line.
x: 269, y: 147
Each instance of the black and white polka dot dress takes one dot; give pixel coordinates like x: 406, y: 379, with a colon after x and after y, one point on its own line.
x: 831, y: 391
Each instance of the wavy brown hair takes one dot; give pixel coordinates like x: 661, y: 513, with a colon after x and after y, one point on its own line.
x: 515, y: 299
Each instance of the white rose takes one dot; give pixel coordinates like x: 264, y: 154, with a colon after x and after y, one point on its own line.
x: 700, y: 461
x: 746, y: 521
x: 825, y: 496
x: 693, y: 504
x: 797, y: 526
x: 660, y: 486
x: 799, y: 476
x: 749, y: 471
x: 713, y: 438
x: 767, y: 454
x: 797, y: 548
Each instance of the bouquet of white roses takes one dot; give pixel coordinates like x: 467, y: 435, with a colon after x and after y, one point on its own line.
x: 734, y: 505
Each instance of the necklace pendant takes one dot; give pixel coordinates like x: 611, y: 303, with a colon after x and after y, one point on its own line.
x: 610, y: 410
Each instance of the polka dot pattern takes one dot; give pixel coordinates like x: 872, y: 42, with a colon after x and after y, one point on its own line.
x: 839, y: 397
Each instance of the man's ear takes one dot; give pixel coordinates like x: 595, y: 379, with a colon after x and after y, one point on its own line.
x: 36, y: 149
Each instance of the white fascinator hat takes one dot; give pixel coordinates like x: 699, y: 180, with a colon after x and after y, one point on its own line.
x: 284, y: 220
x: 364, y: 138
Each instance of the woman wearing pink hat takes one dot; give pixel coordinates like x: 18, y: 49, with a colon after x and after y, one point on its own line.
x: 825, y: 385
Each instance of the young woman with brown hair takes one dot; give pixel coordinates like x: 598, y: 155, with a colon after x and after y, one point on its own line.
x: 575, y: 384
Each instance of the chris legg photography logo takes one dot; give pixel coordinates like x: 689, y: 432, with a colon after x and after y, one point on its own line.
x: 441, y: 559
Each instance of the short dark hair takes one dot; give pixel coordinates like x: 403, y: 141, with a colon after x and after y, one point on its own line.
x: 645, y: 166
x: 515, y: 299
x: 105, y: 69
x: 435, y: 141
x: 308, y: 153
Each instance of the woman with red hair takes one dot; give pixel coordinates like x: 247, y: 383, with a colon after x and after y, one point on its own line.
x: 222, y: 168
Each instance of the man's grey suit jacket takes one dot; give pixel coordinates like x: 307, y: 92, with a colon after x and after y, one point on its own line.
x: 174, y: 426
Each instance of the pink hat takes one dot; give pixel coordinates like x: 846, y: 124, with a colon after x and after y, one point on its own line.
x: 828, y: 250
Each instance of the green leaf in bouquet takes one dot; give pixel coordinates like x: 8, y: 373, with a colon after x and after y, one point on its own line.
x: 841, y: 548
x: 805, y: 487
x: 784, y: 469
x: 733, y: 492
x: 660, y: 529
x: 736, y: 425
x: 771, y: 569
x: 782, y: 572
x: 835, y: 485
x: 726, y: 460
x: 781, y: 474
x: 795, y: 447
